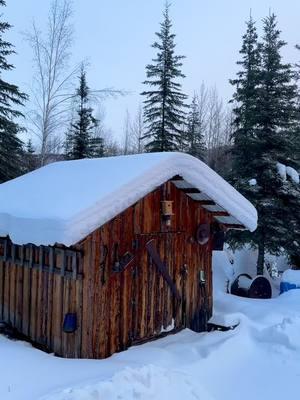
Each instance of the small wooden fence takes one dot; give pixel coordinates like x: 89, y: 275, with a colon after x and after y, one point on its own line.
x: 39, y: 286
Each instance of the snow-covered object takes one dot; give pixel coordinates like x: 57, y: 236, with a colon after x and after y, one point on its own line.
x: 65, y: 201
x: 281, y: 168
x: 293, y: 174
x: 285, y: 171
x: 169, y: 328
x: 291, y: 276
x: 253, y: 182
x: 290, y: 280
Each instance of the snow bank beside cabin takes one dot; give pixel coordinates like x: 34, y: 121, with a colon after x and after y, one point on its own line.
x: 259, y: 359
x: 65, y: 201
x: 291, y: 276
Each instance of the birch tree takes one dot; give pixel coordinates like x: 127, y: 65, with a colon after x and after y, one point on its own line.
x: 137, y: 131
x: 51, y: 54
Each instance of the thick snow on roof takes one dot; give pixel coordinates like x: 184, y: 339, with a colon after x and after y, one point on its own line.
x: 65, y: 201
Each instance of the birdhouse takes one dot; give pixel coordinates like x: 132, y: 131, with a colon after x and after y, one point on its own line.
x: 167, y: 207
x: 167, y: 211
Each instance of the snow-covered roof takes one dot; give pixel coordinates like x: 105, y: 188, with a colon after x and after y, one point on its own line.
x: 65, y: 201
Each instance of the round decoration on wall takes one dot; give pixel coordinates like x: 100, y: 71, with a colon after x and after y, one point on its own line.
x: 203, y: 233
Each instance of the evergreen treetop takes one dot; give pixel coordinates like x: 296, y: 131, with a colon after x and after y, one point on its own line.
x: 80, y: 141
x: 245, y: 98
x: 195, y: 142
x: 278, y: 96
x: 30, y: 160
x: 164, y: 114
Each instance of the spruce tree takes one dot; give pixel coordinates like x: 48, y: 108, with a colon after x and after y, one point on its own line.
x: 195, y: 142
x: 96, y: 147
x: 79, y: 142
x: 11, y: 98
x: 290, y: 198
x: 266, y: 116
x: 164, y: 114
x: 245, y: 118
x: 246, y: 106
x: 30, y: 160
x: 276, y: 128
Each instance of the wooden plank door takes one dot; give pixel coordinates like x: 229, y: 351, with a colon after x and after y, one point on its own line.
x: 158, y: 285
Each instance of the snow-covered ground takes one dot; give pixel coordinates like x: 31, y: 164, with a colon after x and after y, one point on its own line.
x: 260, y: 359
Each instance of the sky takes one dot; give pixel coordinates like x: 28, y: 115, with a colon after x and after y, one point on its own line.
x: 115, y: 36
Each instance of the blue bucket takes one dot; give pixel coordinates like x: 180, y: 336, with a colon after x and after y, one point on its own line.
x: 70, y: 323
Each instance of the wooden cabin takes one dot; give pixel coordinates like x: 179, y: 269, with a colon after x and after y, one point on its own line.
x: 98, y: 255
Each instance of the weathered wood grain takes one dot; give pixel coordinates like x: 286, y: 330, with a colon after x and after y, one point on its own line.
x: 114, y: 309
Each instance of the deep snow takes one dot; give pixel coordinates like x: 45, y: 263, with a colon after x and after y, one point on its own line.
x: 291, y: 276
x: 65, y: 201
x: 260, y: 359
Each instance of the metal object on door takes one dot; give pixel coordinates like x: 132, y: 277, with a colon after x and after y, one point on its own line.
x: 162, y: 268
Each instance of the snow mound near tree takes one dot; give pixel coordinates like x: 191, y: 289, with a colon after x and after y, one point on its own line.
x: 65, y: 201
x: 293, y: 174
x: 227, y: 265
x: 286, y: 171
x: 291, y: 276
x: 252, y: 182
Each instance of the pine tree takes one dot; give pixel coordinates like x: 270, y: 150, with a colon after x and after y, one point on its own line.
x: 266, y: 116
x: 30, y: 160
x: 96, y: 147
x: 246, y: 106
x: 80, y: 142
x: 290, y: 198
x: 194, y: 135
x: 164, y: 114
x: 245, y: 119
x: 276, y: 127
x: 10, y: 97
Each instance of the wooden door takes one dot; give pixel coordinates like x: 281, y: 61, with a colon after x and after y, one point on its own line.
x: 158, y: 287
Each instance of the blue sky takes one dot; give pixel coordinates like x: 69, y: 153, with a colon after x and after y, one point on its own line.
x: 115, y: 36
